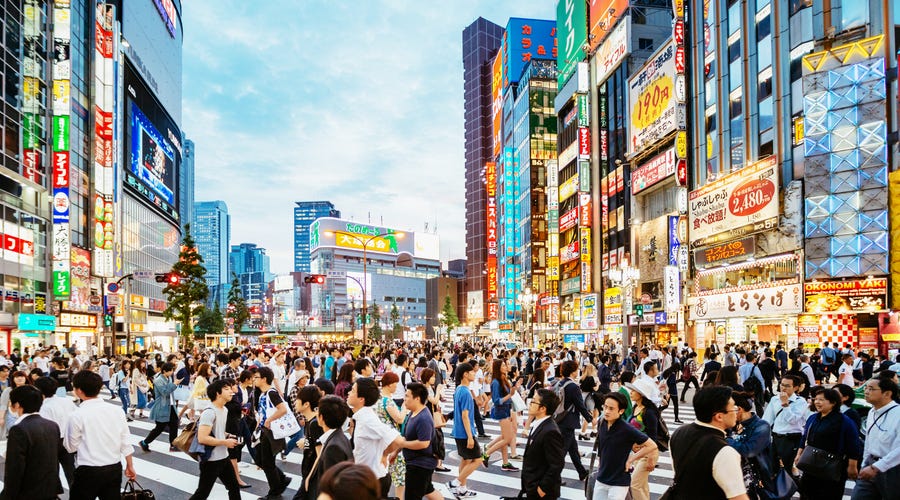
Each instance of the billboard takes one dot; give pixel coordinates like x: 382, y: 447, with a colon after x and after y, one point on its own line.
x: 354, y: 284
x: 866, y: 295
x: 651, y: 95
x: 571, y: 21
x: 18, y: 243
x: 524, y: 40
x: 475, y: 306
x: 590, y: 308
x: 80, y: 298
x: 656, y: 169
x: 738, y: 204
x: 603, y: 15
x: 153, y: 148
x: 614, y: 50
x: 497, y: 102
x: 61, y: 68
x: 428, y: 246
x: 755, y: 301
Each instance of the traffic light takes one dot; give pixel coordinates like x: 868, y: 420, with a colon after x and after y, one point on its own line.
x: 315, y: 279
x: 639, y: 310
x: 168, y: 278
x: 107, y: 319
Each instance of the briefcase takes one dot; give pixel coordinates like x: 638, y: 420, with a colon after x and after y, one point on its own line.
x: 133, y: 491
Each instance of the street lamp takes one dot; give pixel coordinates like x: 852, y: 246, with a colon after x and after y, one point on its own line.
x: 627, y: 278
x: 365, y: 244
x: 528, y: 299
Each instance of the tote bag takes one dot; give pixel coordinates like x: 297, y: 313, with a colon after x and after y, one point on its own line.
x: 285, y: 426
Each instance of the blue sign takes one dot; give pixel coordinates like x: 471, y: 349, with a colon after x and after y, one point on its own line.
x: 524, y: 40
x: 659, y: 318
x: 674, y: 243
x: 573, y: 338
x: 37, y: 322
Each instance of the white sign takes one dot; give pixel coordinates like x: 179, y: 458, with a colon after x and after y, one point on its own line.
x: 589, y: 307
x: 672, y: 287
x: 613, y: 50
x: 336, y: 274
x: 741, y: 203
x: 143, y: 274
x: 652, y: 107
x: 762, y: 301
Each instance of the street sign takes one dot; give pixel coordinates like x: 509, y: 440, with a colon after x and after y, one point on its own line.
x: 112, y: 287
x: 112, y: 300
x: 143, y: 274
x: 336, y: 275
x: 95, y: 300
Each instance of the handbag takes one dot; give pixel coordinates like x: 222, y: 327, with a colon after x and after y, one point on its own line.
x: 184, y: 440
x: 518, y: 404
x: 285, y: 426
x: 820, y: 463
x: 782, y: 487
x: 133, y: 491
x: 182, y: 393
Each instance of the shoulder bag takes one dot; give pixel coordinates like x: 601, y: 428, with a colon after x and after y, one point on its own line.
x: 285, y: 426
x: 184, y: 440
x: 820, y: 463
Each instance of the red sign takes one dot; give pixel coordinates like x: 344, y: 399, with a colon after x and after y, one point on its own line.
x: 848, y: 295
x: 679, y: 59
x: 751, y: 196
x: 490, y: 176
x: 492, y: 278
x: 493, y: 312
x: 31, y: 162
x: 104, y: 40
x: 584, y: 141
x: 678, y: 32
x: 658, y: 168
x: 103, y: 122
x: 681, y: 172
x: 568, y: 220
x: 585, y: 215
x: 18, y: 245
x: 60, y: 169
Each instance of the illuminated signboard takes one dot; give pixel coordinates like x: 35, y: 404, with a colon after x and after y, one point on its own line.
x: 571, y: 19
x: 18, y: 243
x: 658, y: 168
x: 726, y: 252
x: 497, y: 102
x: 154, y: 148
x: 848, y: 295
x: 491, y: 208
x: 603, y: 15
x: 61, y: 237
x: 755, y: 301
x: 524, y: 40
x: 651, y: 94
x: 589, y: 311
x: 167, y: 12
x: 568, y: 220
x: 614, y: 50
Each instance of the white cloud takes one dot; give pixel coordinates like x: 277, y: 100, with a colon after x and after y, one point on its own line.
x: 359, y: 103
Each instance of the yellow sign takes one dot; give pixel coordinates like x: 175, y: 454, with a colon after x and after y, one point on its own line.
x: 568, y: 188
x: 653, y: 101
x: 553, y: 268
x: 347, y: 240
x: 585, y: 244
x: 681, y: 144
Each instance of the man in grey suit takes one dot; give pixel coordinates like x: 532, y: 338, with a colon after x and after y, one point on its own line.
x: 336, y: 448
x: 32, y: 454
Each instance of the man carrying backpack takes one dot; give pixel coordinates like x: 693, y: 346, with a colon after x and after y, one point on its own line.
x: 567, y: 414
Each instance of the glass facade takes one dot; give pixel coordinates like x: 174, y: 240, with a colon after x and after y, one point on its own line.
x: 150, y: 242
x: 211, y: 229
x: 305, y: 213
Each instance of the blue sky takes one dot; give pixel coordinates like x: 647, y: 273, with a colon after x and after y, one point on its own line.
x: 359, y: 103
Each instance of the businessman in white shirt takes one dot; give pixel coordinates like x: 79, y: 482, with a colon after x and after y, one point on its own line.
x: 99, y: 434
x: 787, y: 416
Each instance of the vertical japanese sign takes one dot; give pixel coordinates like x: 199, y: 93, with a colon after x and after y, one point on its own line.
x: 61, y: 71
x: 32, y: 89
x: 490, y: 179
x: 571, y: 21
x: 510, y: 241
x: 103, y: 172
x: 497, y: 102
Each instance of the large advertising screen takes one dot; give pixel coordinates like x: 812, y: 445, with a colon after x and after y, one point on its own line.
x: 651, y: 94
x: 153, y: 148
x: 524, y: 40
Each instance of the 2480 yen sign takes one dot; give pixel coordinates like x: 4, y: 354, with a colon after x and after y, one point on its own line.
x: 751, y: 197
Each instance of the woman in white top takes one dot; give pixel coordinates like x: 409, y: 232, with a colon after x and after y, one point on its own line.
x: 199, y: 400
x: 139, y: 387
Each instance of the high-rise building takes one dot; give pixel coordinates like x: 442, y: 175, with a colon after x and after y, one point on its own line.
x: 305, y: 213
x: 480, y: 43
x: 186, y: 184
x: 211, y: 229
x: 251, y: 265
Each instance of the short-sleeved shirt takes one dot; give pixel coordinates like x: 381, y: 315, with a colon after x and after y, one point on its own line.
x: 313, y: 432
x: 270, y: 396
x: 845, y: 375
x: 371, y: 437
x: 216, y: 419
x: 420, y: 428
x: 615, y: 446
x: 463, y: 400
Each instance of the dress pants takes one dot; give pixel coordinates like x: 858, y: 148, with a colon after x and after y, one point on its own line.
x: 571, y: 446
x: 784, y: 448
x: 265, y: 459
x: 221, y: 469
x: 103, y: 482
x: 171, y: 425
x: 640, y: 485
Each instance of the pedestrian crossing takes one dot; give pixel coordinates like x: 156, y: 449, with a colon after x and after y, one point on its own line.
x: 175, y: 475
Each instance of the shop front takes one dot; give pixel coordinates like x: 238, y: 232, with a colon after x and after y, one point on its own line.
x: 850, y: 311
x: 34, y: 331
x: 751, y: 301
x: 77, y: 329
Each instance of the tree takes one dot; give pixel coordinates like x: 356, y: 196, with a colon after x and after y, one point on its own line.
x: 186, y: 297
x: 237, y: 311
x: 209, y: 321
x: 449, y: 319
x: 395, y: 322
x: 376, y: 321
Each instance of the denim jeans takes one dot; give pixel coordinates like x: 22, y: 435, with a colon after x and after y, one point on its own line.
x: 125, y: 397
x: 292, y: 442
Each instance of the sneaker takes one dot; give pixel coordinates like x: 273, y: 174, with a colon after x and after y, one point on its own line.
x: 486, y: 460
x: 483, y: 435
x: 515, y: 457
x: 144, y: 446
x: 129, y: 419
x: 173, y: 449
x: 467, y: 493
x: 452, y: 487
x: 507, y: 467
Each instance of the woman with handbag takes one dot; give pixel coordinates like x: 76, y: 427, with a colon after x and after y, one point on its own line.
x: 123, y: 386
x: 391, y: 415
x: 198, y: 400
x: 501, y: 397
x: 829, y: 450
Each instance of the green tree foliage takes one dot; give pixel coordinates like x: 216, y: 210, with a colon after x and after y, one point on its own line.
x: 395, y: 322
x: 450, y: 320
x: 237, y: 311
x: 209, y: 321
x: 375, y: 315
x: 185, y: 298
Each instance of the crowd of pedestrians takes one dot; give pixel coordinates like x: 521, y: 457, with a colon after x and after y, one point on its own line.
x: 372, y: 419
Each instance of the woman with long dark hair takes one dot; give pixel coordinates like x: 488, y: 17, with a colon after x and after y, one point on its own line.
x: 344, y: 381
x: 17, y: 379
x: 501, y: 395
x: 728, y: 376
x: 123, y: 386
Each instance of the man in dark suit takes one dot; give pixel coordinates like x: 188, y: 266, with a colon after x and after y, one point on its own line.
x: 573, y: 410
x: 32, y: 454
x: 336, y: 448
x: 781, y: 358
x: 711, y: 367
x: 545, y: 456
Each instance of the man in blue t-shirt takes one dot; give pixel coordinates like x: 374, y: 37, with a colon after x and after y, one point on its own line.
x: 616, y: 440
x: 418, y: 448
x: 329, y: 365
x: 463, y: 430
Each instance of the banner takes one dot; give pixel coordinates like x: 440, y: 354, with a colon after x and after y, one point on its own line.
x: 653, y: 171
x: 762, y: 301
x: 742, y: 203
x: 845, y: 296
x: 651, y: 93
x: 589, y: 307
x: 571, y: 23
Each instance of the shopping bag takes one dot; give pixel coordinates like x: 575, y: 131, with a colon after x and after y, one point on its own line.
x: 184, y: 440
x: 518, y: 404
x: 285, y: 426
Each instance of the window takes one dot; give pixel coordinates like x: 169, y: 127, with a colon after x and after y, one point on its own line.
x: 734, y: 18
x: 765, y: 84
x: 766, y: 113
x: 645, y: 43
x: 764, y: 51
x: 763, y: 28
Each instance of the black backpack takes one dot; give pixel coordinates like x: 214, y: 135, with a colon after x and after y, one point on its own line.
x: 752, y: 384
